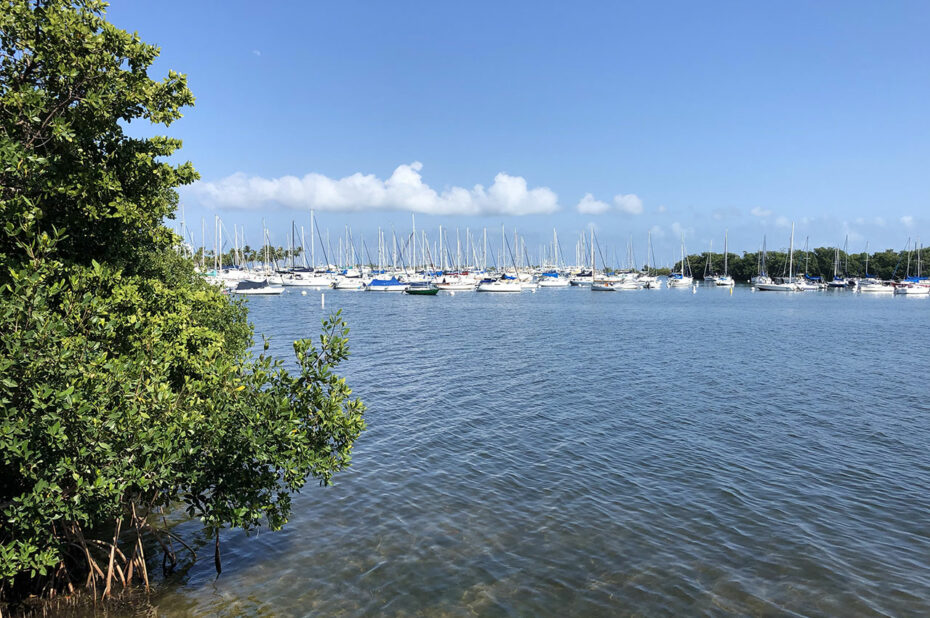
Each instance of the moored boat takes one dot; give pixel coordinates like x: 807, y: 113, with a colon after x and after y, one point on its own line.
x: 421, y: 288
x: 253, y: 287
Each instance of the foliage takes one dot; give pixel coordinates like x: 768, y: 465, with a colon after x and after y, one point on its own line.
x: 126, y: 384
x: 888, y: 264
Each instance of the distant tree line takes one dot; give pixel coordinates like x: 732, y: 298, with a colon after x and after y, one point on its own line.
x: 888, y: 264
x: 248, y: 255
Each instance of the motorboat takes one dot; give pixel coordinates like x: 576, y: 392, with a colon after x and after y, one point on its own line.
x: 506, y: 284
x: 421, y: 288
x: 257, y: 287
x: 386, y: 285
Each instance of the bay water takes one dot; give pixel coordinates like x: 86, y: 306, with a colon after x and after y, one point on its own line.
x: 565, y: 452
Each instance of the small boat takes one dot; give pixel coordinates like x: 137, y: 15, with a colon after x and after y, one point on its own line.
x: 507, y: 284
x: 582, y: 278
x: 871, y: 285
x: 599, y: 285
x: 455, y: 283
x: 784, y: 284
x: 387, y: 285
x: 553, y: 280
x: 683, y: 278
x: 912, y: 287
x: 422, y: 288
x: 725, y: 280
x: 348, y: 283
x: 307, y: 279
x: 252, y: 287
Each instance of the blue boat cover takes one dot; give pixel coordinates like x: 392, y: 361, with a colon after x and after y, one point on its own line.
x: 386, y: 282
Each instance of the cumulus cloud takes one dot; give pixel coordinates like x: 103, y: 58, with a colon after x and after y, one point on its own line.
x: 404, y: 190
x: 680, y: 230
x: 256, y: 52
x: 590, y: 206
x: 908, y: 221
x: 629, y: 204
x: 760, y: 212
x: 657, y: 231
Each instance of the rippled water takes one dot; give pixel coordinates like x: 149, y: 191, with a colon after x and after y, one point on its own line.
x: 569, y: 452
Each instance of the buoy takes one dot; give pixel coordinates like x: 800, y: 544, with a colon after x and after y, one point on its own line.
x: 303, y: 293
x: 451, y: 292
x: 731, y: 290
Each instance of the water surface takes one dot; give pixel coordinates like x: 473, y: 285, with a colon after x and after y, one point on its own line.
x: 569, y: 452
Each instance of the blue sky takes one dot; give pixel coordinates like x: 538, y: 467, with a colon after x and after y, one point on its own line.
x: 665, y: 116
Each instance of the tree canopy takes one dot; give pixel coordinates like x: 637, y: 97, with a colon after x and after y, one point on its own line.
x: 126, y: 382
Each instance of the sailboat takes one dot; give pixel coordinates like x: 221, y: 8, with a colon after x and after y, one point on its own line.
x: 683, y: 278
x: 504, y: 283
x: 603, y: 284
x: 553, y: 277
x: 871, y: 284
x: 839, y: 281
x: 761, y: 274
x: 786, y: 284
x: 913, y: 285
x: 725, y: 280
x: 649, y: 279
x: 710, y: 275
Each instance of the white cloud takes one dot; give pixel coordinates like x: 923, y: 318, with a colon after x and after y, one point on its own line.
x: 662, y: 208
x: 679, y: 230
x: 657, y: 231
x: 256, y: 52
x: 404, y: 190
x: 783, y: 222
x: 908, y: 221
x: 590, y: 206
x: 760, y: 212
x: 630, y: 204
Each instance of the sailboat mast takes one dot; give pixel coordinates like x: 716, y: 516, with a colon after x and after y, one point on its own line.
x: 312, y: 241
x: 725, y: 250
x: 592, y: 256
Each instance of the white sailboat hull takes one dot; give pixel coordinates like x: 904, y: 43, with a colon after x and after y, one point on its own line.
x: 501, y: 286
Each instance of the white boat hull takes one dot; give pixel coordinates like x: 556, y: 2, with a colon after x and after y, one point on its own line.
x: 912, y: 290
x: 498, y: 286
x: 552, y: 282
x: 777, y: 287
x: 348, y: 284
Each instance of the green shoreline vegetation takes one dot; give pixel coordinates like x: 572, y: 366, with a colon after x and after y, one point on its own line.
x: 127, y: 385
x: 888, y: 264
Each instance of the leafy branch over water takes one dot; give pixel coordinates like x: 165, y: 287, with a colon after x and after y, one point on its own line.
x: 126, y: 385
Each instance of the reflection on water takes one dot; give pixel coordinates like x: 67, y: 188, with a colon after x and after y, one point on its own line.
x: 652, y: 452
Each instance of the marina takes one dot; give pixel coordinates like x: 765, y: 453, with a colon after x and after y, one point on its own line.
x: 472, y: 267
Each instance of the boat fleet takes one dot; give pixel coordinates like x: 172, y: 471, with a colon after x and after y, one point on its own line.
x: 408, y: 266
x: 910, y: 285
